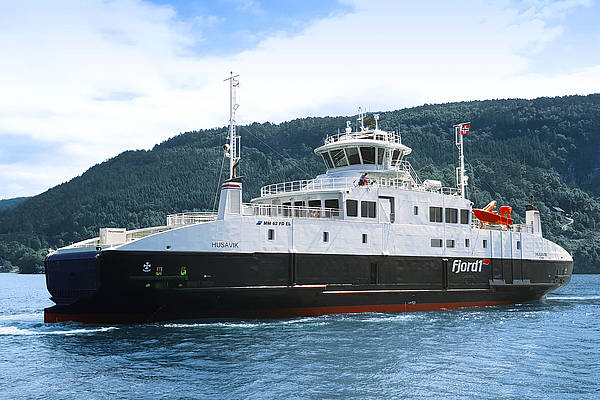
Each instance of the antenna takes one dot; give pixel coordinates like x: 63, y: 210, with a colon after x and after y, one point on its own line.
x: 361, y: 119
x: 461, y: 178
x: 233, y: 148
x: 376, y: 118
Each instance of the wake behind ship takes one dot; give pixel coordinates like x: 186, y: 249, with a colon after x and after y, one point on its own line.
x: 366, y: 236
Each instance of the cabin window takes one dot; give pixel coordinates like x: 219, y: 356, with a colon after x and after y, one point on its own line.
x: 339, y: 158
x: 298, y: 212
x: 314, y: 203
x: 326, y: 236
x: 451, y: 215
x: 353, y: 157
x: 364, y: 238
x: 368, y: 155
x: 380, y: 153
x: 518, y: 245
x: 436, y: 242
x: 435, y: 214
x: 333, y: 203
x: 367, y: 209
x: 327, y: 160
x: 464, y: 216
x: 467, y: 243
x: 286, y: 209
x: 271, y: 234
x: 485, y: 243
x: 416, y: 210
x: 449, y: 243
x: 395, y: 156
x: 352, y: 208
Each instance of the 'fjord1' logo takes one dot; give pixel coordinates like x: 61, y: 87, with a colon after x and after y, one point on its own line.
x: 474, y: 266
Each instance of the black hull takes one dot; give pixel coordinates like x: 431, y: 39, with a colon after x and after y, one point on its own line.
x: 112, y: 286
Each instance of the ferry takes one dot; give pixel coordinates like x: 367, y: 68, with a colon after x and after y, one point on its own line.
x: 366, y: 236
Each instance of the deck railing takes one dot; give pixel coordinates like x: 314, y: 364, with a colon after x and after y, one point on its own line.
x: 188, y: 218
x: 372, y: 135
x: 271, y: 210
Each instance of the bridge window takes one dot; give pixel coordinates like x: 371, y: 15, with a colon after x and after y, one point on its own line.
x: 380, y: 153
x: 368, y: 155
x: 451, y: 215
x: 395, y: 157
x: 435, y: 214
x: 352, y: 208
x: 327, y: 160
x: 436, y: 242
x: 367, y: 209
x: 286, y: 209
x: 339, y: 158
x: 353, y: 157
x: 464, y: 216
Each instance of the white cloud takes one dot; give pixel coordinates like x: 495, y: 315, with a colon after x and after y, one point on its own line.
x: 96, y: 78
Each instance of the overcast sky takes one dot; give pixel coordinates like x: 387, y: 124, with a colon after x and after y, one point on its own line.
x: 82, y: 81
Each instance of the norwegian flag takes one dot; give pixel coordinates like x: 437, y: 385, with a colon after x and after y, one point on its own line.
x: 464, y: 129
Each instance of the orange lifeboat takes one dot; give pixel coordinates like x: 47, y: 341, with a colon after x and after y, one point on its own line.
x: 488, y: 216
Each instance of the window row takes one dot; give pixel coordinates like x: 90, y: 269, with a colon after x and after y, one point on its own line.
x: 436, y: 215
x: 367, y: 208
x: 450, y: 243
x: 356, y: 156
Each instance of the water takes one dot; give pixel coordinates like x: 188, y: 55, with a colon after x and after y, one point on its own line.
x: 541, y: 350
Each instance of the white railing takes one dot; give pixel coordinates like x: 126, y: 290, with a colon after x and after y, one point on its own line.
x: 270, y: 210
x: 390, y: 137
x: 188, y: 218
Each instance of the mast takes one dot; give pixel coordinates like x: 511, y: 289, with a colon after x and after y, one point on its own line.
x: 461, y: 178
x: 233, y: 149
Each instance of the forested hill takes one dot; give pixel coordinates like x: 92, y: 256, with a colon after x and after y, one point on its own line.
x: 8, y: 203
x: 548, y: 147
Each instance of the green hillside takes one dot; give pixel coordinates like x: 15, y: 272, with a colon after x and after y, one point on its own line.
x: 8, y: 203
x: 548, y: 147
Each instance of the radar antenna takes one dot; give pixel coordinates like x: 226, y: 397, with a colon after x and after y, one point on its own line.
x: 233, y: 149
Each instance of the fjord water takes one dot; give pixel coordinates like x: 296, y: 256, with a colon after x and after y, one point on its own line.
x: 546, y: 349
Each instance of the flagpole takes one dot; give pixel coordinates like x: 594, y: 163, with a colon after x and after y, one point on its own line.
x: 460, y: 176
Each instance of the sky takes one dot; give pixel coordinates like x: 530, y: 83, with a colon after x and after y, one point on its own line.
x: 82, y: 81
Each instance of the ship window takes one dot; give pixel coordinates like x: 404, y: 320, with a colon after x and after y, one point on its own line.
x: 451, y: 215
x: 352, y: 208
x: 327, y: 160
x: 364, y: 238
x: 395, y: 157
x: 518, y: 245
x: 352, y: 153
x: 467, y: 243
x: 485, y: 243
x: 436, y: 242
x: 333, y: 203
x: 286, y: 209
x: 367, y: 209
x: 416, y: 210
x: 339, y: 158
x: 435, y: 214
x: 271, y: 234
x: 326, y: 236
x: 314, y: 203
x: 380, y: 153
x: 299, y: 212
x: 450, y: 243
x: 464, y: 216
x: 368, y: 155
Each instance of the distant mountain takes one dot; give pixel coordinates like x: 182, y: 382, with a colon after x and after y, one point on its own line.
x: 547, y: 147
x: 8, y: 203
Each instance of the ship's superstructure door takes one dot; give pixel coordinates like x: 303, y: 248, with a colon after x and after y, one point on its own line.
x: 386, y: 209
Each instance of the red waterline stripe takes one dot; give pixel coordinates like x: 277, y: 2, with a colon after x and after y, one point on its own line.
x: 50, y: 317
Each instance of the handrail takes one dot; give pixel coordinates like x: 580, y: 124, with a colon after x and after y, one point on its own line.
x: 272, y: 210
x: 379, y: 135
x: 188, y: 218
